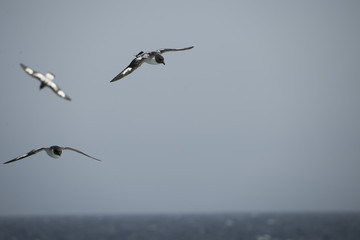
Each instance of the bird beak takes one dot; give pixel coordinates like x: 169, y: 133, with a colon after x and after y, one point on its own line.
x: 163, y: 63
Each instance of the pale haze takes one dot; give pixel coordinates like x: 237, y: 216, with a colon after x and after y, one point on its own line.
x: 261, y: 115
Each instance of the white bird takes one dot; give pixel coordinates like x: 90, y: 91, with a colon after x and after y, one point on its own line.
x: 53, y: 151
x: 46, y: 81
x: 153, y: 57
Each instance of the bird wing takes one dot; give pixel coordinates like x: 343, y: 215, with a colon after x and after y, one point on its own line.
x: 53, y: 86
x: 132, y: 67
x: 32, y: 152
x: 33, y: 73
x: 164, y: 50
x: 75, y: 150
x: 46, y: 81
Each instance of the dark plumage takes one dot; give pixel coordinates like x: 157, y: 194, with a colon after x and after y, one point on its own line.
x: 154, y: 57
x: 46, y: 81
x: 53, y: 151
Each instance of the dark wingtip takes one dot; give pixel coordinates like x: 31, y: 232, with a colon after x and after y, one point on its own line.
x: 115, y: 79
x: 9, y: 161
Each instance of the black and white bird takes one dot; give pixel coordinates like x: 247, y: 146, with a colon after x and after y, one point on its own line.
x: 53, y: 151
x: 153, y: 57
x: 46, y: 81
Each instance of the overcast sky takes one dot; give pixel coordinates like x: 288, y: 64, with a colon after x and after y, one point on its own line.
x: 261, y: 115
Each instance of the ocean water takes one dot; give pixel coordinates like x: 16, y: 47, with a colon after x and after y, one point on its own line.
x: 313, y: 226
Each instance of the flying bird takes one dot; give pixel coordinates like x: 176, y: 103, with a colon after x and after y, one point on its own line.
x: 154, y: 57
x: 53, y: 151
x: 46, y: 81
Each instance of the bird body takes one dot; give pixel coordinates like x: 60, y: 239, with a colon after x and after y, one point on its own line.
x: 153, y: 58
x: 53, y: 151
x: 46, y: 81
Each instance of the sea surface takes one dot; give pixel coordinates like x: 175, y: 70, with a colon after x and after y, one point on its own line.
x: 295, y: 226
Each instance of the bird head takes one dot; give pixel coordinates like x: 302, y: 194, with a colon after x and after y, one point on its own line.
x: 56, y: 150
x: 159, y: 59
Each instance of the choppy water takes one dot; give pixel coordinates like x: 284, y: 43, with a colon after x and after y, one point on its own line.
x: 185, y: 227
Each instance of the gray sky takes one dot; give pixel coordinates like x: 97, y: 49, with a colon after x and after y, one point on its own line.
x: 262, y: 115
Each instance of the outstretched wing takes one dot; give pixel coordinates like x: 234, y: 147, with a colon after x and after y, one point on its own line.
x: 33, y: 73
x: 129, y: 69
x: 164, y: 50
x: 53, y: 86
x: 32, y: 152
x: 46, y: 81
x: 75, y: 150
